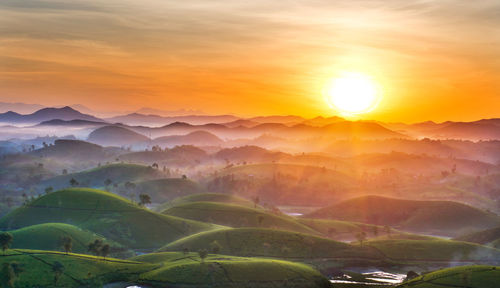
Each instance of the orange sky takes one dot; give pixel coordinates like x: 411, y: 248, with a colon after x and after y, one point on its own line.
x: 436, y: 60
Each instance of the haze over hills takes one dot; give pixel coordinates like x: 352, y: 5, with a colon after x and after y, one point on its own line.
x: 45, y: 114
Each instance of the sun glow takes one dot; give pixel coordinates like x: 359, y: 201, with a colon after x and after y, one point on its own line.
x: 353, y: 94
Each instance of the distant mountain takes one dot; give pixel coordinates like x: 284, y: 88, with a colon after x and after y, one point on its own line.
x: 166, y: 113
x: 479, y: 130
x: 156, y: 120
x: 198, y: 138
x: 242, y: 123
x: 46, y: 114
x: 22, y: 108
x: 322, y: 121
x: 278, y: 119
x: 116, y: 136
x: 71, y: 123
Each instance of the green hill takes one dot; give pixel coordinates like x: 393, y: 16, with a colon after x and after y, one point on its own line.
x: 175, y: 270
x: 106, y: 214
x: 206, y: 197
x: 482, y: 237
x: 434, y: 250
x: 96, y: 177
x: 258, y: 242
x: 465, y: 276
x: 166, y: 189
x: 47, y: 237
x: 432, y: 217
x: 236, y: 216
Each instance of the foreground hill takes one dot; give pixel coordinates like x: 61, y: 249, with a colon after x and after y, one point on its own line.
x: 206, y: 197
x: 96, y: 177
x: 106, y: 214
x: 156, y: 270
x: 480, y: 276
x: 116, y: 136
x: 235, y: 216
x: 47, y: 237
x: 166, y: 189
x: 434, y: 217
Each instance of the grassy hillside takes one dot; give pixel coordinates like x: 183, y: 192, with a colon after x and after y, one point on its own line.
x: 337, y: 229
x: 434, y: 250
x: 236, y: 216
x: 271, y: 243
x: 206, y: 197
x: 433, y: 217
x: 96, y: 177
x: 166, y: 189
x: 482, y: 237
x: 106, y: 214
x: 174, y: 270
x: 466, y: 276
x: 47, y: 237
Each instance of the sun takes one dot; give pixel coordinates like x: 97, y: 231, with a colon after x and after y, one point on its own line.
x: 352, y: 94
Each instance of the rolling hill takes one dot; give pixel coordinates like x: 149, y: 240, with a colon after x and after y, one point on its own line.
x: 116, y: 136
x: 199, y: 138
x: 106, y: 214
x: 236, y: 216
x: 206, y: 197
x: 482, y: 237
x: 46, y: 114
x: 432, y: 217
x: 166, y: 189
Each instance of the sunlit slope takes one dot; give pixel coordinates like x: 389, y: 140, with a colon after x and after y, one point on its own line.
x: 227, y: 271
x: 236, y: 216
x: 166, y: 189
x: 437, y: 217
x: 402, y: 250
x: 96, y: 177
x: 487, y: 237
x: 106, y: 214
x: 47, y: 237
x: 271, y: 243
x: 206, y: 197
x: 465, y: 276
x: 174, y: 270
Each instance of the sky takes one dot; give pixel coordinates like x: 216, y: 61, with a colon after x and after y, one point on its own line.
x: 434, y: 60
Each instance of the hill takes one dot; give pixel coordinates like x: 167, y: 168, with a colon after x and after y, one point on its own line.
x: 480, y: 276
x: 46, y: 114
x: 96, y: 177
x: 166, y: 189
x: 116, y: 136
x: 236, y: 216
x: 74, y: 150
x: 341, y: 230
x: 258, y: 242
x: 482, y: 237
x: 206, y: 197
x: 106, y: 214
x: 47, y: 236
x: 199, y: 138
x: 432, y: 217
x: 157, y: 270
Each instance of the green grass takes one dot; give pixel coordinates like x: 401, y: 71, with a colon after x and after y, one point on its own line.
x: 337, y: 229
x: 117, y: 173
x: 228, y: 271
x: 236, y: 216
x: 106, y: 214
x: 206, y: 197
x: 432, y: 217
x: 434, y: 250
x: 166, y: 189
x: 466, y: 276
x: 258, y: 242
x: 47, y: 237
x: 159, y: 270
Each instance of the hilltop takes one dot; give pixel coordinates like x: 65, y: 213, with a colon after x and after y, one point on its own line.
x: 116, y: 136
x: 206, y: 197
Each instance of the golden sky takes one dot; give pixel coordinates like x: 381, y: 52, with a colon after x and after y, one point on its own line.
x: 436, y: 60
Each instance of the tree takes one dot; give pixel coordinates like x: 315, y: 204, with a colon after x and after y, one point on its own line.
x: 184, y: 177
x: 67, y: 243
x: 203, y: 254
x: 73, y: 182
x: 361, y: 236
x: 49, y: 190
x: 256, y: 201
x: 5, y: 240
x: 144, y: 199
x: 95, y: 247
x: 215, y: 246
x: 105, y: 249
x: 107, y: 182
x: 65, y: 171
x: 155, y: 165
x: 185, y: 250
x: 58, y: 270
x: 130, y: 185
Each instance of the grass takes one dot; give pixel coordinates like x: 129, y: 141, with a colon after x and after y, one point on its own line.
x: 106, y: 214
x: 159, y: 270
x: 206, y: 197
x: 259, y: 242
x: 166, y: 189
x: 47, y: 236
x: 480, y: 276
x: 236, y: 216
x: 432, y: 217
